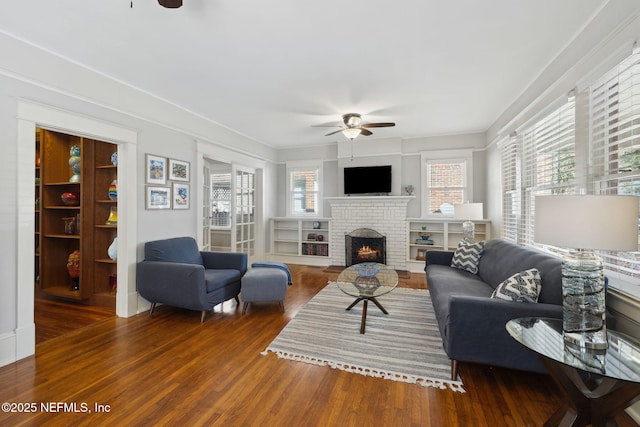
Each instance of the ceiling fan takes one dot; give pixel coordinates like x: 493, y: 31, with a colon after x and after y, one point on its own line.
x: 354, y: 126
x: 171, y: 4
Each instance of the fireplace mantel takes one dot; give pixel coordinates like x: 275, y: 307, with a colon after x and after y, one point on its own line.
x: 347, y: 199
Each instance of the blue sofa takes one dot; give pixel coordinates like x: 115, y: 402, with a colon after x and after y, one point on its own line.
x: 175, y: 272
x: 471, y: 323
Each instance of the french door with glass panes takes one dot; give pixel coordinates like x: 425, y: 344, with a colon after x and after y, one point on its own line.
x: 243, y: 233
x: 206, y: 209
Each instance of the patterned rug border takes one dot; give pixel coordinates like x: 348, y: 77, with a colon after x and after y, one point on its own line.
x: 424, y: 381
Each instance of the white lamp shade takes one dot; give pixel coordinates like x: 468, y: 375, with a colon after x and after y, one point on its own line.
x: 351, y: 133
x: 587, y: 222
x: 468, y: 211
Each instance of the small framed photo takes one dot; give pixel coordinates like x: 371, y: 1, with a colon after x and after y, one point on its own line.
x: 180, y: 196
x: 422, y: 255
x: 158, y: 198
x: 178, y: 170
x: 156, y: 170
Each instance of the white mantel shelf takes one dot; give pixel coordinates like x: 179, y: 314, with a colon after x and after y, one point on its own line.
x: 370, y: 198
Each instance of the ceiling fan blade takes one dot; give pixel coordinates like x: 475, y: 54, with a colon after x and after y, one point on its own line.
x: 329, y: 125
x: 365, y: 132
x: 333, y: 133
x: 378, y: 125
x: 172, y: 4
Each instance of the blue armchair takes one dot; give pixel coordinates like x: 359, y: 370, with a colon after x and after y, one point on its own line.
x: 175, y: 272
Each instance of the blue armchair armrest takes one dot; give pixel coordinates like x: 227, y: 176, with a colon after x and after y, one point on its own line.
x: 225, y: 260
x: 172, y: 283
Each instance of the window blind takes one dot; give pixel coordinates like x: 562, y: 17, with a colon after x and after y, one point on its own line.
x: 304, y: 191
x: 511, y: 189
x: 614, y: 126
x: 548, y: 148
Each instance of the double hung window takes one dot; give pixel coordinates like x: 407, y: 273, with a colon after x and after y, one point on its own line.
x: 614, y: 125
x: 446, y: 184
x: 304, y: 189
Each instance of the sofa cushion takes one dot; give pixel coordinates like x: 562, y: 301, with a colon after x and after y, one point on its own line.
x: 467, y: 256
x: 501, y: 260
x: 521, y: 287
x: 219, y: 278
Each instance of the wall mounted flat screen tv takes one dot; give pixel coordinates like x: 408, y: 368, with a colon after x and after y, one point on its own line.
x: 367, y: 180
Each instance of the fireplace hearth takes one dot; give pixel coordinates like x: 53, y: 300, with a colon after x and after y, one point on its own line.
x: 365, y: 245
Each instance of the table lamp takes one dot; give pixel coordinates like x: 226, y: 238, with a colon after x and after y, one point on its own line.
x: 583, y: 223
x: 469, y: 212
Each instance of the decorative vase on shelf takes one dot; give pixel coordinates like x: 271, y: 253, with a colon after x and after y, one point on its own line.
x: 113, y: 216
x: 112, y: 251
x: 113, y: 284
x: 74, y: 163
x: 69, y: 224
x: 70, y: 198
x: 73, y: 267
x: 113, y: 190
x: 114, y: 159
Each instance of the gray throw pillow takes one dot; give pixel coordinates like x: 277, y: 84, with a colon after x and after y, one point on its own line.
x: 521, y: 287
x: 467, y: 256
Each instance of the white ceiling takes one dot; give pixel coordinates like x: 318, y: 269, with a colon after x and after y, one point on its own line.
x: 271, y: 70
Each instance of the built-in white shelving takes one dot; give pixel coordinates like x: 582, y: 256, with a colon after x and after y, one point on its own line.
x: 305, y: 240
x: 445, y: 234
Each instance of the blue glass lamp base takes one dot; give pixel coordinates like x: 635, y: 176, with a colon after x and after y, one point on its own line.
x: 584, y: 303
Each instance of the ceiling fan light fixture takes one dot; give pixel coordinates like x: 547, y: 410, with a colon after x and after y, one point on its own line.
x: 351, y: 133
x: 352, y: 120
x: 171, y: 4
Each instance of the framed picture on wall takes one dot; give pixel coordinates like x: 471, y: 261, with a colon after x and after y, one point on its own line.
x: 155, y: 169
x: 178, y: 170
x: 180, y: 196
x: 158, y: 198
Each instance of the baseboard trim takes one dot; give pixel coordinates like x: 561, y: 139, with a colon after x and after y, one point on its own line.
x: 7, y: 348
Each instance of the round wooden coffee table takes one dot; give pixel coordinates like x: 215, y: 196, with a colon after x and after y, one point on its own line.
x: 365, y: 282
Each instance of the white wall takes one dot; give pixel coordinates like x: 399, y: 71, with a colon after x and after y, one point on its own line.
x: 402, y: 154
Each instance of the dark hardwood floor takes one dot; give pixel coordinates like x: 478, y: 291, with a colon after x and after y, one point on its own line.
x: 56, y: 318
x: 169, y: 369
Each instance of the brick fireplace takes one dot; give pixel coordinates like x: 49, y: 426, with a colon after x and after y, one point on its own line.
x: 386, y: 215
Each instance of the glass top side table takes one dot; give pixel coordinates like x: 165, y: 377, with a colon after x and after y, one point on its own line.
x: 596, y: 384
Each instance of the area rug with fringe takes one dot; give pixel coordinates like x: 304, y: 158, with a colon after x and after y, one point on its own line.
x: 404, y: 345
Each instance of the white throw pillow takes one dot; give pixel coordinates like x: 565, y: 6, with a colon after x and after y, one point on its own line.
x: 467, y: 256
x: 521, y: 287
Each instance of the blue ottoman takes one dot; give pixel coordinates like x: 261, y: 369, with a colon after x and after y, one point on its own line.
x: 264, y: 285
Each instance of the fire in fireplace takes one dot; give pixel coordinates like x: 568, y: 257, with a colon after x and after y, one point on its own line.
x: 364, y: 245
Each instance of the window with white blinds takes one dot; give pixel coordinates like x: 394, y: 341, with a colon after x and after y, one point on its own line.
x: 304, y: 188
x: 511, y: 189
x: 539, y: 160
x: 548, y: 162
x: 614, y: 125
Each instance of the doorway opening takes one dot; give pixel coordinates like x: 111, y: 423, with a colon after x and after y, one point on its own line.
x: 75, y: 217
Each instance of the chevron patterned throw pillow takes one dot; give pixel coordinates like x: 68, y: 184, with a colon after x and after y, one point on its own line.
x: 521, y: 287
x: 467, y: 256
